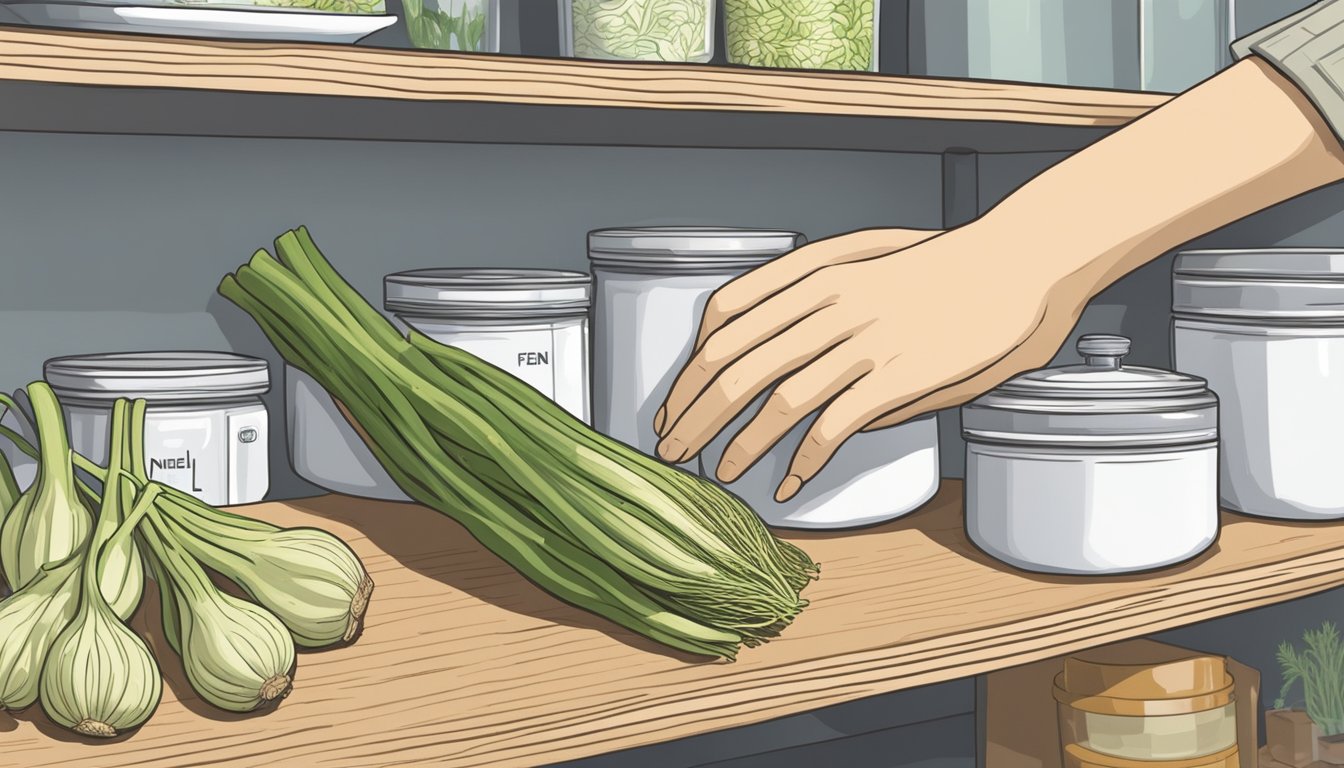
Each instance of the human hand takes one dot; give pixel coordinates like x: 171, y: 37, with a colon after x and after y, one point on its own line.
x: 872, y: 329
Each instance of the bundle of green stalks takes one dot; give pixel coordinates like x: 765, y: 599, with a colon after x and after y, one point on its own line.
x: 591, y: 520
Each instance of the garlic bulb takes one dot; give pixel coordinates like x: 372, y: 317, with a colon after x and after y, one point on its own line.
x: 237, y: 656
x: 49, y: 521
x: 307, y: 577
x: 30, y: 620
x: 99, y: 678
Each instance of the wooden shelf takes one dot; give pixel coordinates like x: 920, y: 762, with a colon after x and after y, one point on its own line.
x: 63, y: 81
x: 464, y: 663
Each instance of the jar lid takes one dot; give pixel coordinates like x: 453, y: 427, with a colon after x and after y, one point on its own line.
x: 684, y: 248
x: 1100, y: 402
x: 157, y: 376
x: 1139, y: 678
x: 488, y: 293
x: 1284, y: 284
x: 1153, y: 706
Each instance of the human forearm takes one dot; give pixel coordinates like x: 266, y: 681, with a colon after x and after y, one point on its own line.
x: 1237, y: 144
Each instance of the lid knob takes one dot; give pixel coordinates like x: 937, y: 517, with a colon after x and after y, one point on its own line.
x: 1103, y: 350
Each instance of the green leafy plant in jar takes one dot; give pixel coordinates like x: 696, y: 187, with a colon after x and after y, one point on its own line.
x: 802, y: 34
x: 451, y: 25
x: 638, y: 30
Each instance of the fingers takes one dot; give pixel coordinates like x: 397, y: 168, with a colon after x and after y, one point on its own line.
x: 790, y: 403
x: 765, y: 281
x: 949, y: 397
x: 868, y: 402
x: 746, y: 378
x: 773, y: 318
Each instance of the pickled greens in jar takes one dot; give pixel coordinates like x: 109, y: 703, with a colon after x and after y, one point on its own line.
x: 802, y: 34
x: 450, y: 25
x: 639, y: 30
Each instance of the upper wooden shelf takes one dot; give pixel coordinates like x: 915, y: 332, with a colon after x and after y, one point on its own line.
x: 464, y: 663
x: 96, y: 83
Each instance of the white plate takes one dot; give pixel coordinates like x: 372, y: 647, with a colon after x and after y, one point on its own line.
x: 201, y: 22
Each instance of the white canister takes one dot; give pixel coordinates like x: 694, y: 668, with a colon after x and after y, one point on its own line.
x: 531, y: 323
x: 205, y: 424
x: 1094, y: 468
x: 1266, y: 329
x: 651, y: 290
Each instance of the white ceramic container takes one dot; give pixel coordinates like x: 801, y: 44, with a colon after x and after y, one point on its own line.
x: 205, y: 424
x: 651, y: 288
x: 530, y: 323
x: 1095, y: 468
x: 1266, y: 329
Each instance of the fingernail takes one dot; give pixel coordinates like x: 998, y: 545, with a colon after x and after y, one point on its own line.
x: 671, y: 450
x: 728, y: 471
x: 658, y: 420
x: 788, y: 488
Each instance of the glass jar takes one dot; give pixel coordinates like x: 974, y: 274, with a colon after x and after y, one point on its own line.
x: 638, y: 30
x: 1180, y: 712
x: 1182, y: 42
x: 205, y: 424
x: 1266, y: 328
x: 651, y: 287
x: 1093, y: 468
x: 532, y: 323
x: 802, y: 34
x: 453, y: 25
x: 1153, y: 45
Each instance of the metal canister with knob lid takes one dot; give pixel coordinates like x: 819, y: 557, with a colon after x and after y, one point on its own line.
x: 1093, y: 468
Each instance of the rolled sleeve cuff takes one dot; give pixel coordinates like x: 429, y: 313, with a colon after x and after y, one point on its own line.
x: 1308, y: 48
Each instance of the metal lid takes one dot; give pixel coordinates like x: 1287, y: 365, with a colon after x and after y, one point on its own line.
x: 1273, y: 284
x: 685, y: 248
x: 488, y: 293
x: 157, y: 376
x: 1100, y: 402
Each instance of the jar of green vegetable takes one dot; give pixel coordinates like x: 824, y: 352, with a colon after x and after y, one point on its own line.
x: 453, y: 25
x: 802, y: 34
x: 638, y: 30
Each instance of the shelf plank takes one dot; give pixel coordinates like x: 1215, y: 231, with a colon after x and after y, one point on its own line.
x: 464, y: 663
x: 51, y: 78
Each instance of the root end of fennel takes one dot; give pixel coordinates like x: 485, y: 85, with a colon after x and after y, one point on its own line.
x: 358, y: 605
x: 276, y: 688
x: 90, y: 727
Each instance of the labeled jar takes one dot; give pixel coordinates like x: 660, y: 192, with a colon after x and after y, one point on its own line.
x: 638, y: 30
x: 651, y: 288
x: 1266, y: 329
x: 206, y: 430
x: 802, y: 34
x: 1180, y: 713
x: 1094, y: 468
x: 531, y: 323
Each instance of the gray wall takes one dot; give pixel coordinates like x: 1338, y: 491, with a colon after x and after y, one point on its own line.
x: 117, y: 243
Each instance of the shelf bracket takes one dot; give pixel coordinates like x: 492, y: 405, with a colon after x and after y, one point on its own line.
x: 961, y: 186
